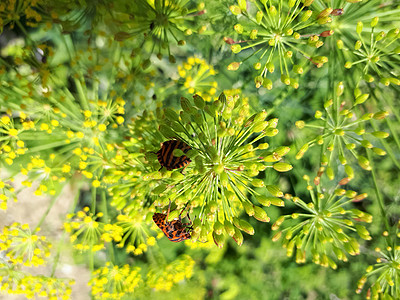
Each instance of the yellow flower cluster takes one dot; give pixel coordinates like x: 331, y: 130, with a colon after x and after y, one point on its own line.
x: 197, y: 76
x: 12, y: 11
x: 114, y: 282
x: 136, y: 235
x: 7, y: 191
x: 87, y: 233
x: 15, y: 282
x: 163, y: 278
x: 22, y: 246
x: 12, y: 146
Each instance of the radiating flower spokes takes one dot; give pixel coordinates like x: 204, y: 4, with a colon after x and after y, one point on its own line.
x: 384, y: 275
x: 341, y: 131
x: 374, y: 53
x: 280, y: 30
x: 324, y: 228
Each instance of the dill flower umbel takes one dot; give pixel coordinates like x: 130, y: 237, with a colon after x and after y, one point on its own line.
x: 384, y: 275
x: 162, y: 278
x: 159, y: 22
x: 87, y: 233
x: 22, y: 246
x: 323, y: 228
x: 342, y: 132
x: 197, y: 78
x: 114, y: 282
x: 227, y: 156
x: 373, y: 53
x: 278, y: 31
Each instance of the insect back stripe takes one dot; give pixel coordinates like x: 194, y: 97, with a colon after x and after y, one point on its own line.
x: 183, y: 161
x: 170, y: 158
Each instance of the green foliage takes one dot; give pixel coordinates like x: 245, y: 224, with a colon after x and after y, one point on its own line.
x: 90, y: 93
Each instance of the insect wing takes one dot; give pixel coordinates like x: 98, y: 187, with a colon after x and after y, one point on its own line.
x: 166, y: 157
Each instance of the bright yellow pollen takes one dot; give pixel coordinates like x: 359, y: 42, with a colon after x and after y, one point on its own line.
x: 13, y: 132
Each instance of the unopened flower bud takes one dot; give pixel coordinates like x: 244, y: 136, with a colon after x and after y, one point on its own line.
x: 267, y: 83
x: 349, y: 171
x: 271, y: 132
x: 360, y: 197
x: 277, y: 236
x: 246, y: 227
x: 229, y: 228
x: 329, y: 172
x: 218, y: 227
x: 235, y: 9
x: 364, y: 163
x: 361, y: 99
x: 379, y: 151
x: 259, y: 16
x: 236, y: 48
x: 363, y: 232
x: 248, y: 207
x: 385, y: 81
x: 234, y: 66
x: 380, y: 115
x: 260, y: 214
x: 301, y: 152
x: 218, y: 239
x: 257, y: 183
x: 374, y: 21
x: 306, y: 15
x: 272, y: 10
x: 326, y: 12
x: 282, y: 167
x: 238, y: 237
x: 324, y: 20
x: 274, y: 190
x: 253, y: 34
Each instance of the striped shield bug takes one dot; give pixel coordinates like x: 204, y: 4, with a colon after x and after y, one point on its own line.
x: 175, y: 230
x: 166, y: 157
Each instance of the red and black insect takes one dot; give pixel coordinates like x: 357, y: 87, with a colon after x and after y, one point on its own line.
x: 168, y: 160
x: 175, y: 231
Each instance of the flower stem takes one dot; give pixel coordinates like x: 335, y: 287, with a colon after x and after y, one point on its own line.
x: 107, y: 219
x: 53, y: 201
x: 377, y: 192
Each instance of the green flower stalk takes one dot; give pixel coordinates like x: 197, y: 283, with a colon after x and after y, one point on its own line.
x: 11, y: 12
x: 324, y: 226
x: 196, y: 76
x: 87, y: 233
x: 342, y: 131
x: 7, y: 193
x: 163, y: 277
x: 278, y: 31
x: 22, y: 246
x: 375, y: 54
x: 160, y: 22
x: 227, y: 156
x: 114, y: 282
x: 16, y: 282
x: 384, y: 275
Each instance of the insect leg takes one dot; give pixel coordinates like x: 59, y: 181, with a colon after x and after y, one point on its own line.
x: 183, y: 210
x: 169, y: 206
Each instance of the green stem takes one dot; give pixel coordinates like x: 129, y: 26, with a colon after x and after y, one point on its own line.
x: 107, y: 220
x: 377, y: 192
x: 53, y: 201
x: 93, y: 208
x: 61, y: 243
